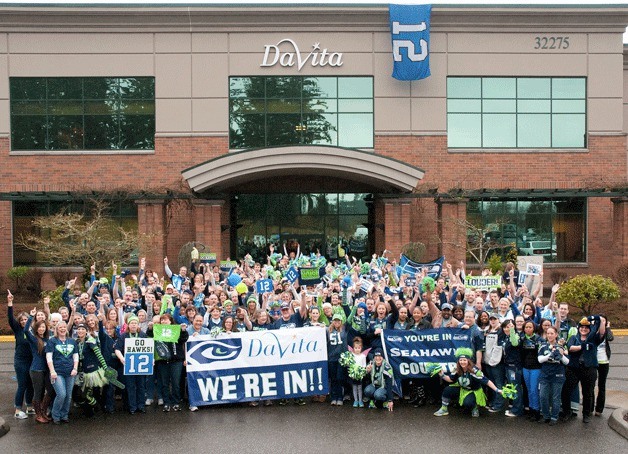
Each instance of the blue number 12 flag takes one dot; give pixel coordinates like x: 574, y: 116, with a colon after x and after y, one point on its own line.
x: 410, y: 29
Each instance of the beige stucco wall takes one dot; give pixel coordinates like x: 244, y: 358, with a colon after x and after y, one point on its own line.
x: 192, y: 69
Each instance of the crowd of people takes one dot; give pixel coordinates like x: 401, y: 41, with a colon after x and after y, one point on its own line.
x: 519, y: 343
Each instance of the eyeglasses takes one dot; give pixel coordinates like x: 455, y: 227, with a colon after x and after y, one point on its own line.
x: 276, y: 312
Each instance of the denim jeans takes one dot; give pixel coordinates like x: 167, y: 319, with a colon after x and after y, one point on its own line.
x: 153, y: 383
x: 62, y: 385
x: 135, y: 391
x: 514, y: 376
x: 550, y: 397
x: 170, y: 379
x: 496, y: 374
x: 531, y: 377
x: 24, y: 393
x: 336, y: 380
x: 377, y: 394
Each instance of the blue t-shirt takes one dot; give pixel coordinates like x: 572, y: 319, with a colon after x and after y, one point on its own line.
x: 62, y: 352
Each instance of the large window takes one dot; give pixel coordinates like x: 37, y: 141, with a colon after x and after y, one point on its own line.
x: 82, y: 113
x: 509, y: 112
x: 554, y: 229
x: 119, y: 213
x: 274, y: 111
x: 318, y: 222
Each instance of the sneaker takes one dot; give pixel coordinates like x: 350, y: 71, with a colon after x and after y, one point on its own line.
x: 442, y: 411
x: 302, y: 402
x: 160, y: 402
x: 253, y: 403
x: 553, y: 422
x: 586, y: 419
x: 361, y: 404
x: 333, y: 402
x: 31, y: 411
x: 355, y: 404
x: 268, y: 403
x: 339, y: 403
x: 193, y: 408
x: 148, y: 402
x: 597, y: 413
x: 371, y: 404
x: 283, y: 402
x: 510, y: 414
x: 166, y: 408
x: 20, y: 415
x: 475, y: 412
x: 493, y: 410
x: 176, y: 408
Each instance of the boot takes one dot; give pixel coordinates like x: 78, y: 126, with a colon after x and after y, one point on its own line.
x: 44, y: 407
x: 39, y: 415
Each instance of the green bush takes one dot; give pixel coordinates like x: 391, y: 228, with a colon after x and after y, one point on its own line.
x: 55, y: 298
x: 17, y: 274
x: 587, y: 291
x: 511, y: 255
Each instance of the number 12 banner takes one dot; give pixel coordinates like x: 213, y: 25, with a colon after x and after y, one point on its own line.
x: 410, y: 28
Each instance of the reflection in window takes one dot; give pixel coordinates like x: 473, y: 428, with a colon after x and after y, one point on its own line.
x: 274, y: 111
x: 121, y: 213
x: 82, y: 113
x: 317, y: 222
x: 502, y: 112
x: 554, y: 229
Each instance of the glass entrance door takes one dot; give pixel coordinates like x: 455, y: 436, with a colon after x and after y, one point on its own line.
x: 312, y: 221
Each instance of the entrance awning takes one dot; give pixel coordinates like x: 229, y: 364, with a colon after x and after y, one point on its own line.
x: 239, y: 169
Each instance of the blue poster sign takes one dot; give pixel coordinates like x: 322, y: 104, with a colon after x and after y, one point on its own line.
x: 292, y: 274
x: 410, y: 29
x: 254, y: 365
x: 410, y: 268
x: 265, y: 286
x: 409, y: 352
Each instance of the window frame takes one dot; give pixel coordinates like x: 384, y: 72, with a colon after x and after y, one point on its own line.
x: 117, y: 113
x: 517, y: 113
x: 303, y: 113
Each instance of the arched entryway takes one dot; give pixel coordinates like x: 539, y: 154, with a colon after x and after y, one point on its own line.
x: 317, y: 195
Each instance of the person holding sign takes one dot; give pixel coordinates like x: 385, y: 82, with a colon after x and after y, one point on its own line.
x: 170, y: 342
x: 135, y: 384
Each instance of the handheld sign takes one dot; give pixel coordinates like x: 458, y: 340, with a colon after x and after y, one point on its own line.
x: 310, y: 276
x: 292, y: 274
x: 208, y: 257
x: 166, y: 333
x: 139, y: 356
x: 265, y: 286
x: 227, y: 265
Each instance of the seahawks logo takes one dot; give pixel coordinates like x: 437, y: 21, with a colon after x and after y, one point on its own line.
x: 204, y: 352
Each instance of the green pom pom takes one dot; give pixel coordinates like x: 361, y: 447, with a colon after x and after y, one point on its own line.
x: 346, y: 359
x: 429, y: 284
x: 365, y: 268
x: 509, y: 391
x: 433, y: 368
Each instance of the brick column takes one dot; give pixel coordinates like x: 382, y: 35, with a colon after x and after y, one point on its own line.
x: 620, y: 229
x: 151, y: 221
x: 396, y: 225
x: 6, y: 238
x: 208, y: 224
x: 452, y: 215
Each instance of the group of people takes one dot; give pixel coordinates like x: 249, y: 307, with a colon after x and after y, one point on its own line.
x: 518, y: 343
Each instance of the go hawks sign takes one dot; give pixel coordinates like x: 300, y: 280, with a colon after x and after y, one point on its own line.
x: 257, y: 365
x: 287, y: 53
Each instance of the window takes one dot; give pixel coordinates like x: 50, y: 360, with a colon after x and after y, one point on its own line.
x: 554, y: 229
x: 120, y: 213
x: 82, y: 113
x: 274, y: 111
x: 318, y: 222
x: 508, y: 112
